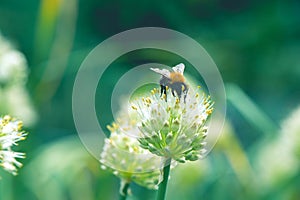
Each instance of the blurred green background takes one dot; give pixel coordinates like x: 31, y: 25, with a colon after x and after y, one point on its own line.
x: 256, y: 46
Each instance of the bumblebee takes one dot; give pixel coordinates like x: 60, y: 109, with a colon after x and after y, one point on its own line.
x: 173, y: 80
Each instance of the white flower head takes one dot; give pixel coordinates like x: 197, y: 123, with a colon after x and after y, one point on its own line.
x: 14, y: 97
x: 10, y: 133
x: 124, y: 157
x: 173, y: 128
x: 13, y: 65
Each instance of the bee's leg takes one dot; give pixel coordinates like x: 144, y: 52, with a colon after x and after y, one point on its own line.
x: 173, y: 92
x: 165, y: 93
x: 185, y: 91
x: 162, y: 88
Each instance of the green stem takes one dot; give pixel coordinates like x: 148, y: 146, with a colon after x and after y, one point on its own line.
x: 124, y: 190
x: 163, y: 185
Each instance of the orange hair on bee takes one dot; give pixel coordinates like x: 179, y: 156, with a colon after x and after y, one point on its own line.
x: 176, y: 77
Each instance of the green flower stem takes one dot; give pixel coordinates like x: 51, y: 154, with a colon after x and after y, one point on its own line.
x: 124, y: 191
x: 163, y: 185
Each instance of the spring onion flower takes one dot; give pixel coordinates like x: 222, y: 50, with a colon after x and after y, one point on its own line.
x: 14, y: 97
x: 175, y: 128
x: 123, y: 156
x: 13, y: 65
x: 10, y: 134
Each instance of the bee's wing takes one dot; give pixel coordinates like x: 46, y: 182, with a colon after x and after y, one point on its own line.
x: 179, y: 68
x: 164, y: 72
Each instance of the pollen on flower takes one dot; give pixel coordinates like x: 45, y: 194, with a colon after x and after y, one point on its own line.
x: 209, y: 111
x: 164, y: 97
x: 148, y: 100
x: 168, y: 108
x: 109, y: 128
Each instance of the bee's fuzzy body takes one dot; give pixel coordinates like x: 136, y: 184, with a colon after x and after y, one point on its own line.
x: 173, y: 80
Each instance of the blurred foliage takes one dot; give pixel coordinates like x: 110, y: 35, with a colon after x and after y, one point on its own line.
x: 255, y: 44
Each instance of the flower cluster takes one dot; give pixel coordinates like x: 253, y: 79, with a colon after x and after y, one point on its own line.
x: 126, y: 159
x: 14, y: 98
x: 10, y: 133
x: 13, y: 66
x: 174, y: 128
